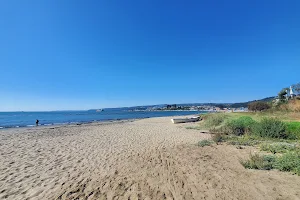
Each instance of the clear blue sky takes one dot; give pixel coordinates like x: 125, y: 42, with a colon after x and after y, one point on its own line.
x: 74, y: 54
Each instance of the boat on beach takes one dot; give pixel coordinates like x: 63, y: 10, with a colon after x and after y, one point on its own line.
x: 185, y: 120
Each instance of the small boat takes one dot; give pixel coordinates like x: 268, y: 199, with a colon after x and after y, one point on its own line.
x: 185, y: 120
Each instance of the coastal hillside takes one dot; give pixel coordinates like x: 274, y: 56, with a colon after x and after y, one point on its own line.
x: 182, y: 105
x: 291, y: 105
x: 245, y: 104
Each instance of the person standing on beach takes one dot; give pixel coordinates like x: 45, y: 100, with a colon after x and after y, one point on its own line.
x: 37, y: 122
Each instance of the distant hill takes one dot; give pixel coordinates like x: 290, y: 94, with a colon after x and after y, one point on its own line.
x: 128, y: 108
x: 245, y: 104
x: 231, y: 105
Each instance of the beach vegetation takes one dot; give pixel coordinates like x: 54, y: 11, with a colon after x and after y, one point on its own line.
x: 270, y: 128
x: 246, y: 140
x: 213, y: 120
x: 294, y: 129
x: 278, y: 147
x: 261, y: 162
x: 289, y: 161
x: 272, y: 125
x: 240, y: 126
x: 204, y: 143
x: 275, y: 132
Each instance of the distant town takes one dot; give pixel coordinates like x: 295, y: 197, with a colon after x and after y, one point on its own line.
x: 211, y: 107
x: 175, y: 107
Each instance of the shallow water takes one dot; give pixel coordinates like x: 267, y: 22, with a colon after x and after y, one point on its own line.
x: 23, y: 119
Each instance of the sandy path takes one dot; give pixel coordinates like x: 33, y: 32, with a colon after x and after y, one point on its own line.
x: 144, y: 159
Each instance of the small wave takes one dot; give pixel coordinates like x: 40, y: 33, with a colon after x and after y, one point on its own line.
x: 47, y: 124
x: 1, y: 127
x: 60, y: 123
x: 17, y: 126
x: 30, y: 125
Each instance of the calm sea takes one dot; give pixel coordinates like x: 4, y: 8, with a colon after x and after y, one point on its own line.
x: 23, y: 119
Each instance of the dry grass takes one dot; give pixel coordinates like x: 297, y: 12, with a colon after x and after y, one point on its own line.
x: 282, y: 115
x: 294, y: 105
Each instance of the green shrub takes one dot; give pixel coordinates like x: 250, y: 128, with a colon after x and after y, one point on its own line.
x: 289, y: 162
x: 262, y: 162
x: 240, y: 126
x: 293, y: 129
x: 203, y: 143
x: 278, y: 147
x: 296, y: 170
x: 271, y: 128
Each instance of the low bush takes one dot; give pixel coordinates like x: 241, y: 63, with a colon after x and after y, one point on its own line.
x: 242, y: 140
x: 271, y: 128
x: 289, y: 162
x: 262, y: 162
x: 278, y: 147
x: 203, y: 143
x: 293, y: 129
x: 240, y: 126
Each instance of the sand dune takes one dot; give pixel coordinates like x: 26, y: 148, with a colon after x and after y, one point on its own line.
x: 143, y: 159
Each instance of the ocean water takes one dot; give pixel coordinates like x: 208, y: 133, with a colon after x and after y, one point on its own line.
x: 27, y: 119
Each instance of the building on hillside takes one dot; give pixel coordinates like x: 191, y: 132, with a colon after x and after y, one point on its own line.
x: 292, y: 94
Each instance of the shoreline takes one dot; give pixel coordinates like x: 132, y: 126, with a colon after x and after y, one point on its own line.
x: 88, y: 122
x: 92, y: 123
x: 73, y: 124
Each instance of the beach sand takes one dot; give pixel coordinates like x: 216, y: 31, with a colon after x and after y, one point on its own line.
x: 142, y: 159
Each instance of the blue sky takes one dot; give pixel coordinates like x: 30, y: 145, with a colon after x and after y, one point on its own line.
x: 70, y: 54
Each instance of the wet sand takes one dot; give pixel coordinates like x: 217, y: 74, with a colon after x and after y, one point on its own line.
x: 141, y: 159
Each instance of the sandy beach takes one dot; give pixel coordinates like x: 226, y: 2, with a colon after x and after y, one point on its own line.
x: 138, y: 159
